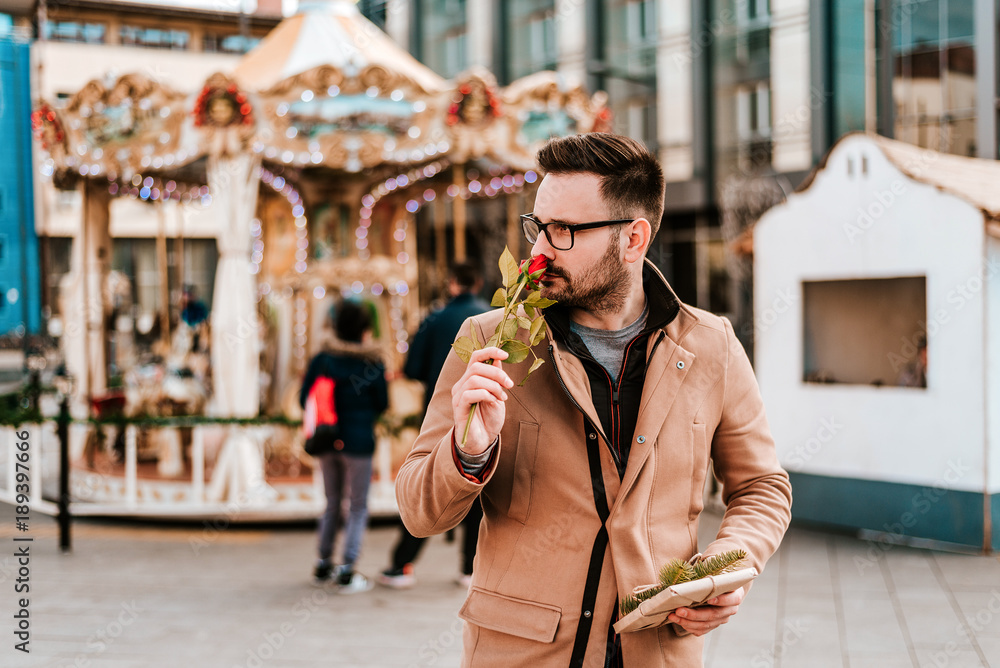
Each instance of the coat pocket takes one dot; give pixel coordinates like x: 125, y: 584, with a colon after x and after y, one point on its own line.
x: 524, y: 471
x: 700, y: 462
x: 513, y: 616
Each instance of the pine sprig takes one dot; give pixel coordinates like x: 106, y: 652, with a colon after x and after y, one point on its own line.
x: 677, y: 571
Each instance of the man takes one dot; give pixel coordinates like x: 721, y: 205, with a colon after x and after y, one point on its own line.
x: 591, y: 474
x: 430, y: 348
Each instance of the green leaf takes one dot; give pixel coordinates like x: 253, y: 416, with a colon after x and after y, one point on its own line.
x: 523, y: 323
x: 475, y: 337
x: 516, y: 350
x: 463, y: 348
x: 509, y: 329
x: 508, y: 268
x: 534, y: 365
x: 530, y: 311
x: 537, y: 300
x: 499, y: 298
x: 493, y: 340
x: 537, y: 331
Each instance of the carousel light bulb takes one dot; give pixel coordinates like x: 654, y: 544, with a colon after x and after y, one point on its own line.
x: 391, y: 184
x: 402, y: 347
x: 357, y: 287
x: 258, y: 246
x: 364, y: 254
x: 452, y: 191
x: 307, y: 95
x: 429, y: 195
x: 361, y: 232
x: 265, y: 288
x: 412, y: 206
x: 403, y: 258
x: 368, y: 201
x: 300, y: 267
x: 475, y: 186
x: 399, y: 235
x: 319, y: 292
x: 291, y: 132
x: 413, y: 132
x: 287, y: 156
x: 377, y: 289
x: 361, y: 243
x: 530, y: 176
x: 333, y: 91
x: 316, y: 157
x: 419, y: 106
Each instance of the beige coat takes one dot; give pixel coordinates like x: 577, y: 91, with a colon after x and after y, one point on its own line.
x: 700, y: 400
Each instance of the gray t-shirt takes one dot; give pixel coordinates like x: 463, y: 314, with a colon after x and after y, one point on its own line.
x: 608, y: 345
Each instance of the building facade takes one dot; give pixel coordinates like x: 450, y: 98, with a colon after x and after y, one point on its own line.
x: 739, y: 98
x: 20, y: 309
x: 78, y: 41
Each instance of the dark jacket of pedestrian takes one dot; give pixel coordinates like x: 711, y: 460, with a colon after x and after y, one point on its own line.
x: 431, y: 345
x: 360, y: 395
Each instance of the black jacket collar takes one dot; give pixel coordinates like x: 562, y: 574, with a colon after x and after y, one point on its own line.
x: 663, y: 308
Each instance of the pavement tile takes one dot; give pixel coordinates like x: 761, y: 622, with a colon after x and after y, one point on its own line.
x: 217, y: 599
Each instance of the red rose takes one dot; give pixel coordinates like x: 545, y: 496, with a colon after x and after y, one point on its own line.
x: 534, y: 270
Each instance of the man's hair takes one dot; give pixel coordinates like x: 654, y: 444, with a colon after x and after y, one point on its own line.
x: 466, y: 275
x: 632, y: 181
x: 351, y: 320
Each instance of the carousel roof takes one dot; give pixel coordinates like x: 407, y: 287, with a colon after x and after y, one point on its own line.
x: 326, y: 88
x: 330, y: 33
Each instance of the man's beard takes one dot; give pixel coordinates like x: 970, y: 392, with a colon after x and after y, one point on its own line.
x: 602, y: 288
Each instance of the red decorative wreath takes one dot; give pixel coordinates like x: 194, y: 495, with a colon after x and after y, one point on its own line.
x: 473, y: 109
x: 221, y: 107
x: 46, y: 126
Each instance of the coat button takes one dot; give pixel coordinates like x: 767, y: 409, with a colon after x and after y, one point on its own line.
x: 680, y: 365
x: 586, y: 613
x: 641, y: 439
x: 592, y: 436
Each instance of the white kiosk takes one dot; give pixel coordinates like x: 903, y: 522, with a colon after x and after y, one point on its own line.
x: 884, y: 249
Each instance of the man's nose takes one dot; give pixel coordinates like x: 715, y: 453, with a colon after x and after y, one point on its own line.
x: 542, y: 246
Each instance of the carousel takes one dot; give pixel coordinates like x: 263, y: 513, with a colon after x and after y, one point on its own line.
x: 330, y: 163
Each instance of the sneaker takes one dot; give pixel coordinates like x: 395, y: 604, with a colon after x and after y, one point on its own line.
x: 464, y: 581
x: 398, y: 578
x: 356, y: 583
x: 323, y: 570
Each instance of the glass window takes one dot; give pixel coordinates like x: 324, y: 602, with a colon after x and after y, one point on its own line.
x: 228, y: 43
x: 629, y: 36
x: 934, y: 74
x: 443, y: 36
x: 374, y: 11
x: 531, y: 36
x: 73, y: 31
x: 155, y: 38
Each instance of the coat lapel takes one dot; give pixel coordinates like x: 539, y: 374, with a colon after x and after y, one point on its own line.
x: 666, y: 372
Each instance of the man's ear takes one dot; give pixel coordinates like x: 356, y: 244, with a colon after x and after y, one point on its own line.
x: 637, y: 242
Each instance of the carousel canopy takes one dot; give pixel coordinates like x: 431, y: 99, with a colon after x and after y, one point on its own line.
x: 332, y: 34
x: 326, y: 88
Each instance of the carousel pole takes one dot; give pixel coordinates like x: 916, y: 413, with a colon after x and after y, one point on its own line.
x: 161, y: 260
x: 459, y: 211
x: 440, y: 239
x: 514, y: 224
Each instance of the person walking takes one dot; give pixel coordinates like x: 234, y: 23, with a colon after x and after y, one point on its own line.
x: 430, y: 347
x: 591, y: 474
x: 360, y: 395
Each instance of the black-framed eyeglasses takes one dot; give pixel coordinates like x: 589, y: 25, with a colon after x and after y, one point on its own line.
x: 560, y: 235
